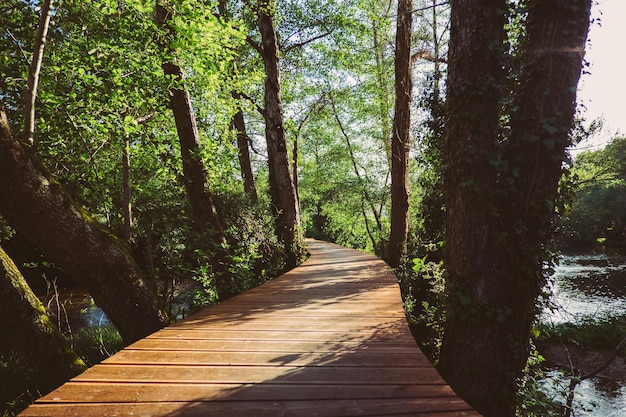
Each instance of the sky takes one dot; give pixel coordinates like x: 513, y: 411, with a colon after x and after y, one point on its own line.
x: 603, y: 91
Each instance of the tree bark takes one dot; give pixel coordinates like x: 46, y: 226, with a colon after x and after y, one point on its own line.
x: 195, y: 176
x: 127, y: 212
x: 239, y: 123
x: 31, y: 332
x: 38, y: 208
x: 400, y: 139
x: 33, y: 73
x: 206, y: 220
x: 379, y: 32
x: 501, y: 192
x: 284, y: 199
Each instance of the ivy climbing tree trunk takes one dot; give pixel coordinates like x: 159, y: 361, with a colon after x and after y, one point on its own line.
x: 29, y: 330
x: 36, y: 206
x: 282, y: 188
x: 400, y: 139
x: 501, y: 191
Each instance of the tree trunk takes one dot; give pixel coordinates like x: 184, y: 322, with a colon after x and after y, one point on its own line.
x: 379, y: 31
x: 31, y: 332
x: 33, y: 72
x: 475, y: 80
x: 282, y: 190
x: 500, y: 204
x: 38, y: 208
x: 126, y: 198
x: 203, y: 210
x: 239, y: 123
x: 195, y: 177
x: 400, y: 140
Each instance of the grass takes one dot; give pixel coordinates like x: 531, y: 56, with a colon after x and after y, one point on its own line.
x: 605, y: 333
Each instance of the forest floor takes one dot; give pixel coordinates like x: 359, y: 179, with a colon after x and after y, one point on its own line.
x: 584, y: 359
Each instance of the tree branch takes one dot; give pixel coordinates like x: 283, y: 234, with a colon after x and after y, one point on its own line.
x: 251, y: 100
x: 421, y: 9
x: 254, y: 44
x: 290, y: 48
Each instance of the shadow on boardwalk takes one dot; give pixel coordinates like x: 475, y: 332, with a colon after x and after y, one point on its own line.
x: 328, y: 338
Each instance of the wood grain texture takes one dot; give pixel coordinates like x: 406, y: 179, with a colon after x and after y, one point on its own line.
x: 328, y: 338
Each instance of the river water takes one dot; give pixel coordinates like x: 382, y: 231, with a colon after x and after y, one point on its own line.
x: 589, y: 286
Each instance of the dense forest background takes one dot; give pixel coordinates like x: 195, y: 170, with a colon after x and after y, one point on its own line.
x: 166, y: 156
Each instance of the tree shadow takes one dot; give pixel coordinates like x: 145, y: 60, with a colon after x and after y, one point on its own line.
x: 328, y: 338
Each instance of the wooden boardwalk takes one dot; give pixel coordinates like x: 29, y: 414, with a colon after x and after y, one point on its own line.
x: 328, y: 338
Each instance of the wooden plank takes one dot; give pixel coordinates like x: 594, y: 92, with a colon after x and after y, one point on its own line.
x: 342, y: 323
x: 185, y: 357
x: 110, y: 392
x: 288, y: 346
x: 258, y: 374
x: 328, y: 338
x: 360, y: 335
x: 361, y: 407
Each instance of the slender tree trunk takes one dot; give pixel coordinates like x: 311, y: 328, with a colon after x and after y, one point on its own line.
x: 239, y: 123
x: 295, y: 164
x: 362, y: 181
x: 195, y: 176
x: 400, y: 140
x: 282, y: 189
x: 126, y: 198
x: 206, y: 220
x: 500, y: 205
x: 31, y: 332
x: 38, y: 208
x: 33, y: 72
x: 382, y: 76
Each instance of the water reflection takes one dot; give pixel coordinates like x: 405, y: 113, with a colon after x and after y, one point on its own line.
x: 589, y: 286
x: 595, y: 397
x: 73, y: 310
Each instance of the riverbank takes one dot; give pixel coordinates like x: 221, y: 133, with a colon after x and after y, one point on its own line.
x: 583, y: 359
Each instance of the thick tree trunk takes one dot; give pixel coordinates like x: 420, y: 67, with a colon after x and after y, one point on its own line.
x: 38, y: 208
x: 498, y: 219
x: 400, y: 140
x: 33, y: 73
x: 472, y: 353
x: 282, y: 190
x: 239, y: 123
x: 28, y: 329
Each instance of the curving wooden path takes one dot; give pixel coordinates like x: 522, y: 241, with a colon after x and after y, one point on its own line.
x: 328, y: 338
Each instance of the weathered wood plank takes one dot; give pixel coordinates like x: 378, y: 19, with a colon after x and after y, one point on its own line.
x: 91, y: 392
x: 359, y: 407
x: 186, y: 357
x: 258, y: 374
x: 328, y: 338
